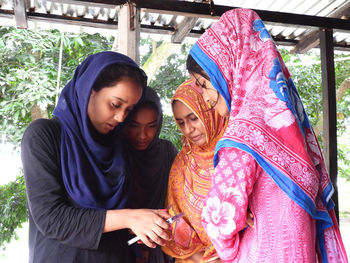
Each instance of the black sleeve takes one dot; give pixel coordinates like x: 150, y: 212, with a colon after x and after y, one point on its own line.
x: 54, y: 215
x: 173, y: 151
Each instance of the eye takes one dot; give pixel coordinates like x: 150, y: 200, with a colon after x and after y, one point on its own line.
x: 202, y: 85
x: 116, y: 106
x: 194, y: 118
x: 180, y: 123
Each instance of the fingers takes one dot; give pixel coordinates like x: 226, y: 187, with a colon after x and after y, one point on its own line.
x: 163, y: 213
x: 151, y: 227
x: 160, y: 221
x: 250, y: 219
x: 145, y: 240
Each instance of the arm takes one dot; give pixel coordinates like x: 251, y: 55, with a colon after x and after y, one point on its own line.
x: 225, y: 210
x: 53, y: 213
x: 147, y: 224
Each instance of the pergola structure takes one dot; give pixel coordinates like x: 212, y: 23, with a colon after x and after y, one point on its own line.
x: 302, y: 24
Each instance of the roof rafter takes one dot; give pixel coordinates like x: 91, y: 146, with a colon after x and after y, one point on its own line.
x: 183, y: 29
x: 312, y: 39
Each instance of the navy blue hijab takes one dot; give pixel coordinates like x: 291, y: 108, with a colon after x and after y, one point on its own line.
x: 93, y: 168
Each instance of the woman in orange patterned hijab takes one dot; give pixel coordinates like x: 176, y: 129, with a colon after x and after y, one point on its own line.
x: 191, y: 173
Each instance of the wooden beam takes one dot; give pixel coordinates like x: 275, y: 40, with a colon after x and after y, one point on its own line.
x: 308, y: 42
x: 20, y: 14
x: 329, y: 110
x: 69, y: 20
x: 202, y: 10
x: 129, y: 32
x: 95, y: 3
x: 312, y: 39
x: 183, y: 29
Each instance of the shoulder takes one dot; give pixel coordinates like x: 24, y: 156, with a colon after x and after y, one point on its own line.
x: 168, y: 145
x: 41, y: 125
x: 43, y: 129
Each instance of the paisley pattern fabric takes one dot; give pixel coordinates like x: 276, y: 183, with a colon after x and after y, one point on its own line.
x: 190, y: 179
x: 268, y: 121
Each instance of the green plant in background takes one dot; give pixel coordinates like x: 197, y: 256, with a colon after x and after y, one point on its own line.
x: 12, y: 209
x: 29, y: 75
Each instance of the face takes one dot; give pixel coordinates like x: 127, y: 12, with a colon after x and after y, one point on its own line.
x: 189, y: 124
x: 109, y: 106
x: 211, y: 95
x: 142, y: 128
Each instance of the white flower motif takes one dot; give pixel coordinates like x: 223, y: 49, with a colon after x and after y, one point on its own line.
x: 218, y: 178
x: 227, y: 171
x: 232, y: 192
x: 241, y: 174
x: 283, y: 158
x: 256, y: 138
x: 218, y: 217
x: 232, y: 155
x: 222, y: 162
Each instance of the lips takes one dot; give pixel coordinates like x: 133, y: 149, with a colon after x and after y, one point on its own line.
x: 142, y: 144
x: 196, y: 138
x: 110, y: 126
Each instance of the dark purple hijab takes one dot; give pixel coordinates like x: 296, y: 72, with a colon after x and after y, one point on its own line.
x: 93, y: 168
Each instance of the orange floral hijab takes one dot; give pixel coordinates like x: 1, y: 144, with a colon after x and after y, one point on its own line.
x: 190, y: 179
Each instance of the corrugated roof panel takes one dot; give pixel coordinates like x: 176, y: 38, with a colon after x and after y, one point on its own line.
x: 105, y: 13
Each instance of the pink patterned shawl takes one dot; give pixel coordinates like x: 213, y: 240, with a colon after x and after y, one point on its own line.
x: 267, y: 118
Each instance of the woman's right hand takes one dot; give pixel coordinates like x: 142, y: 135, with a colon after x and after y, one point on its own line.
x: 149, y: 225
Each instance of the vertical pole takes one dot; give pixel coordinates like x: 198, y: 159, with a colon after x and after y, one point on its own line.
x: 129, y: 31
x: 329, y: 110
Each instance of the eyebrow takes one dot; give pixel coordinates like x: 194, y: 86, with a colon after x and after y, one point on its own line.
x: 125, y: 101
x: 155, y: 121
x: 187, y: 116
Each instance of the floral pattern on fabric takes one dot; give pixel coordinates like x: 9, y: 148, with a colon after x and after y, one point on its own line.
x: 268, y: 121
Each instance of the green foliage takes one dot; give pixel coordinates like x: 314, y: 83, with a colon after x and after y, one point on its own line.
x: 308, y: 80
x: 28, y: 66
x: 28, y: 77
x: 170, y: 131
x: 166, y: 81
x: 12, y: 209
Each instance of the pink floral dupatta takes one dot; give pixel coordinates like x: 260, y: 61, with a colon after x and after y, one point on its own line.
x: 267, y: 118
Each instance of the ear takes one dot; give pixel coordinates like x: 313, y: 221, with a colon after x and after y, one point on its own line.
x: 93, y: 92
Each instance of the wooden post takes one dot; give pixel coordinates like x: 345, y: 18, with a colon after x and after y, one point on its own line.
x: 329, y: 110
x: 20, y: 14
x: 129, y: 31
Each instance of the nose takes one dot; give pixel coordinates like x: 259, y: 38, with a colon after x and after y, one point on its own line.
x: 188, y: 129
x: 205, y: 95
x: 142, y: 133
x: 120, y: 116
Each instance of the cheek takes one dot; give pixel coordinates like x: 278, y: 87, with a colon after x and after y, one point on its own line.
x: 223, y: 108
x: 131, y: 134
x: 151, y: 133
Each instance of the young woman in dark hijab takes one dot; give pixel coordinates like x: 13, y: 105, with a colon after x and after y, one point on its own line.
x: 149, y: 160
x: 76, y: 182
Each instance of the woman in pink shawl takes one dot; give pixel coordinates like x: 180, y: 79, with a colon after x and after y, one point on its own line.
x: 268, y: 159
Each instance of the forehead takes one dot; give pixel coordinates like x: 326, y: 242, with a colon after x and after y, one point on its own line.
x: 196, y: 76
x: 181, y: 110
x: 145, y: 115
x: 126, y: 90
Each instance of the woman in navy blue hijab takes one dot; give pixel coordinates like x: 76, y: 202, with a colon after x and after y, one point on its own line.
x: 75, y: 176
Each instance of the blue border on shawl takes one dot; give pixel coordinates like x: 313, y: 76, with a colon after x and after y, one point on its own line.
x: 210, y: 67
x: 285, y: 183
